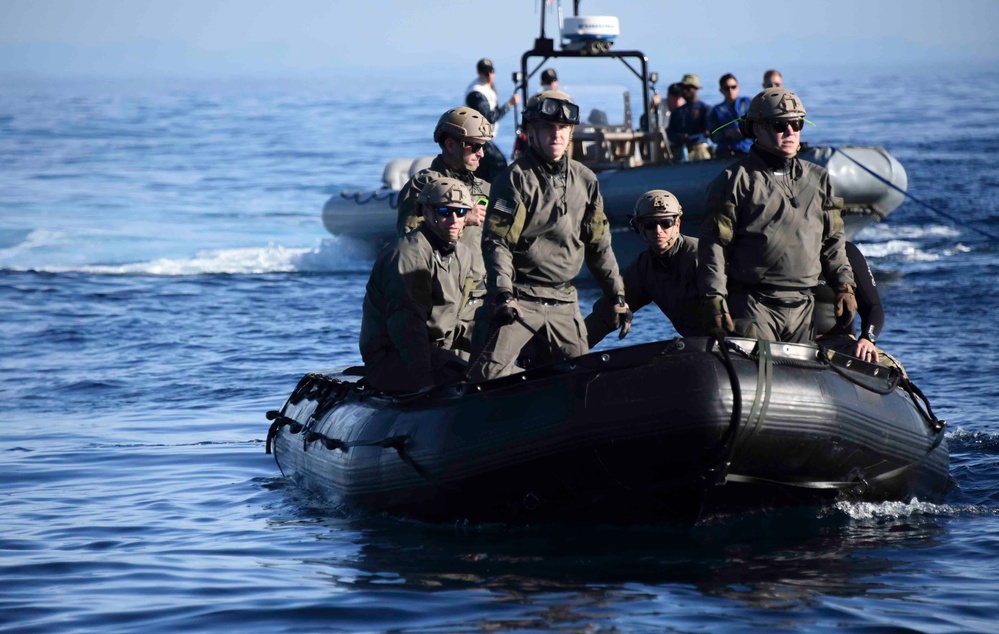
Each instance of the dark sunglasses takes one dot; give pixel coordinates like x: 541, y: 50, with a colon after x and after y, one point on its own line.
x: 730, y: 87
x: 665, y: 223
x: 781, y: 125
x: 447, y: 211
x: 475, y: 147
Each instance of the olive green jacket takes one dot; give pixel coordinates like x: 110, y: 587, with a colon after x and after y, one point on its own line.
x: 668, y: 280
x: 754, y: 236
x: 410, y: 215
x: 542, y: 222
x: 412, y: 301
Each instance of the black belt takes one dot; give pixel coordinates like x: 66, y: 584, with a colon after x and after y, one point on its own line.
x: 544, y: 301
x: 558, y: 286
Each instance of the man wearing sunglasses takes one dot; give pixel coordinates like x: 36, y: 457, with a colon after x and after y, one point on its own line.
x: 461, y: 134
x: 664, y: 274
x: 410, y: 316
x: 729, y: 141
x: 545, y: 218
x: 772, y: 229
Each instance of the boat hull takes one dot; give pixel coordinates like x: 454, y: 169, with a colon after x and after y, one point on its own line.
x: 658, y: 433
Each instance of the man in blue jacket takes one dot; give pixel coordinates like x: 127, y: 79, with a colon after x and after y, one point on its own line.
x: 729, y: 141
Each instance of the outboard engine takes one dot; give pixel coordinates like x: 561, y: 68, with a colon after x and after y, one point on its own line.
x: 590, y: 34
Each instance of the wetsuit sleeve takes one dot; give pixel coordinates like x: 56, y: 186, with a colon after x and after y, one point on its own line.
x: 506, y: 215
x: 477, y: 100
x: 597, y: 250
x: 835, y: 265
x: 408, y: 292
x: 717, y: 234
x: 872, y: 314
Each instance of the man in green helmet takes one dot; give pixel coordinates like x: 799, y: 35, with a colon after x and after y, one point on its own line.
x: 461, y: 134
x: 664, y: 274
x: 772, y: 229
x: 545, y: 218
x: 410, y: 315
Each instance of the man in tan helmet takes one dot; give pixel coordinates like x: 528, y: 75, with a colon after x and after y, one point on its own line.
x: 772, y: 228
x: 664, y: 274
x: 461, y: 134
x: 412, y: 301
x: 545, y: 217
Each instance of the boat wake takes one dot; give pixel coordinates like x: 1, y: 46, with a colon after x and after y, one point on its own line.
x: 332, y: 255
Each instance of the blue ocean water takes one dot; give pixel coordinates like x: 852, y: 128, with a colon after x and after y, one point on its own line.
x: 165, y: 279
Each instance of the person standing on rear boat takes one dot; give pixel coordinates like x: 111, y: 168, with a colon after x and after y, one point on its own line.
x: 772, y: 227
x: 461, y: 134
x: 481, y: 95
x: 664, y: 274
x: 773, y: 79
x: 545, y: 218
x: 410, y: 315
x: 729, y: 141
x: 688, y: 124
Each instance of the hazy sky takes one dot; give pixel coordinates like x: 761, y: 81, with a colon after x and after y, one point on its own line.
x: 407, y: 38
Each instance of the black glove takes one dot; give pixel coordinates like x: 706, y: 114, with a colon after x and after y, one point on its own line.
x: 507, y: 310
x: 622, y: 316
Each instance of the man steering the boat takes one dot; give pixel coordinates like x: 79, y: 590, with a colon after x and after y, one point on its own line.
x: 664, y: 274
x: 410, y: 315
x: 545, y: 218
x: 772, y: 227
x: 461, y: 134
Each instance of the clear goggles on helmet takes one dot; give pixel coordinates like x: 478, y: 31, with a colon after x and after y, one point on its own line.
x: 556, y: 110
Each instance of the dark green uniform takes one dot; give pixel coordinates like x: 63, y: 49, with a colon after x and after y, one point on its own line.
x: 772, y: 228
x: 668, y: 280
x: 474, y: 309
x: 544, y: 220
x: 410, y: 312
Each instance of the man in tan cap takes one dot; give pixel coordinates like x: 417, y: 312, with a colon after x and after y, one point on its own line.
x: 688, y: 128
x: 410, y: 315
x: 481, y: 95
x: 664, y: 274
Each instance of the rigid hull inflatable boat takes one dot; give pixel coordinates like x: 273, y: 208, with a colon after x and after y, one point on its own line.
x: 656, y: 433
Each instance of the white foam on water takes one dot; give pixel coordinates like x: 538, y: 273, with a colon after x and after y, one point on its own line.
x: 331, y: 255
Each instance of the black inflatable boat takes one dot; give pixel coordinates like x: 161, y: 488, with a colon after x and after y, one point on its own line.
x: 657, y: 433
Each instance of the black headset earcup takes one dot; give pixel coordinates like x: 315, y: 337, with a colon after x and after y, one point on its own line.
x: 746, y: 128
x: 633, y: 223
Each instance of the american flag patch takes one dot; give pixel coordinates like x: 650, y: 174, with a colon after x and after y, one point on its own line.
x: 502, y: 206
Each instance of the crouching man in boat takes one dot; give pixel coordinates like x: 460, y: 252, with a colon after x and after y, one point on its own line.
x: 664, y: 274
x: 545, y: 217
x: 461, y: 134
x: 413, y: 297
x: 772, y: 227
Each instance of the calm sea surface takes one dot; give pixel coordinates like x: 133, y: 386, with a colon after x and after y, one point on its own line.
x: 165, y: 279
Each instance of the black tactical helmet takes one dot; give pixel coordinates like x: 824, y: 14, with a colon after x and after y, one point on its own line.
x: 771, y: 103
x: 465, y: 124
x: 552, y: 105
